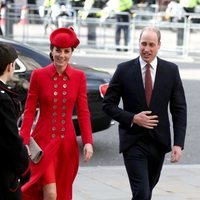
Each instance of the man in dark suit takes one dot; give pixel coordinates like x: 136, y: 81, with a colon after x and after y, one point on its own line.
x: 144, y: 127
x: 14, y: 168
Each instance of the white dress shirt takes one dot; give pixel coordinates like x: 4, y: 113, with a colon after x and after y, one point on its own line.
x: 143, y: 71
x: 152, y: 69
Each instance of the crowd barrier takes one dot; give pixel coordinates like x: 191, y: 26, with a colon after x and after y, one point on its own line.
x: 23, y: 23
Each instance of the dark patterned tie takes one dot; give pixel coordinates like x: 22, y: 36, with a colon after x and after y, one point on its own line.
x: 148, y: 84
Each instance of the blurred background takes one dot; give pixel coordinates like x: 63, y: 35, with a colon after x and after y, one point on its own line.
x: 101, y: 25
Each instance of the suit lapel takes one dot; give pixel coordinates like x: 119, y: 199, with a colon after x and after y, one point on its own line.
x: 139, y: 86
x: 158, y: 81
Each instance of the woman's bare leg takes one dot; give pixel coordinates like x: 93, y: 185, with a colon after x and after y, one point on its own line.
x: 49, y: 192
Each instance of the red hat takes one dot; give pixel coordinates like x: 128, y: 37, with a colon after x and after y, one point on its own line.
x: 64, y: 38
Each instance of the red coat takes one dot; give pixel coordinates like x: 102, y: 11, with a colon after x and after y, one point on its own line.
x: 56, y: 96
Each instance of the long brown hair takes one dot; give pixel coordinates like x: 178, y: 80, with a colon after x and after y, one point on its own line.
x: 51, y: 48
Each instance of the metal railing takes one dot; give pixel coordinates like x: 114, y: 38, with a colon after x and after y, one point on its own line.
x: 23, y: 23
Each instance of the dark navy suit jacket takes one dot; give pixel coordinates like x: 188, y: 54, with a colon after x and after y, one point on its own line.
x: 168, y: 96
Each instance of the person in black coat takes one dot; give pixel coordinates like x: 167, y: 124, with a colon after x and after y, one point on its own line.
x: 144, y: 126
x: 14, y: 168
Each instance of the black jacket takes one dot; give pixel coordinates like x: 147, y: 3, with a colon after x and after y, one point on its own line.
x: 168, y: 92
x: 13, y: 153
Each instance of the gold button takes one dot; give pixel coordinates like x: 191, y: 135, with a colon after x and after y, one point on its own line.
x: 63, y: 121
x: 64, y: 107
x: 55, y: 85
x: 55, y: 93
x: 62, y: 135
x: 64, y: 100
x: 64, y: 85
x: 63, y: 114
x: 55, y: 100
x: 64, y: 78
x: 54, y: 114
x: 53, y: 135
x: 55, y: 107
x: 53, y: 128
x: 55, y: 78
x: 64, y: 92
x: 63, y: 129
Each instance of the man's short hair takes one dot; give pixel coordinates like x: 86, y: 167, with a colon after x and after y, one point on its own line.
x: 8, y: 55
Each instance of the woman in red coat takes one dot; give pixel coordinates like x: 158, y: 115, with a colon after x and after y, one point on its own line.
x: 57, y: 89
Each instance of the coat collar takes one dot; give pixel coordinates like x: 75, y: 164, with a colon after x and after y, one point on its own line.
x: 5, y: 88
x: 52, y: 71
x: 139, y: 81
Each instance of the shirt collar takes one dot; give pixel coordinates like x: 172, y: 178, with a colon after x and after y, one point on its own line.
x: 153, y: 63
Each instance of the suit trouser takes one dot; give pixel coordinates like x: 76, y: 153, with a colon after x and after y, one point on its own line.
x: 143, y: 162
x: 122, y: 27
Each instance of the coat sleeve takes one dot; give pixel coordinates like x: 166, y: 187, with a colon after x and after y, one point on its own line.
x: 30, y: 108
x: 83, y: 112
x: 112, y: 99
x: 178, y: 109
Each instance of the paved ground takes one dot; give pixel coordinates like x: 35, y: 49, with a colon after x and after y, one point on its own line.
x: 177, y: 182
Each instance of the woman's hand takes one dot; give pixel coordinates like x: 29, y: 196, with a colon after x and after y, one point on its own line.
x: 87, y: 152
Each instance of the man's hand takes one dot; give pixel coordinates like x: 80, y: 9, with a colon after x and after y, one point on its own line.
x: 87, y: 152
x: 146, y: 120
x: 176, y: 154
